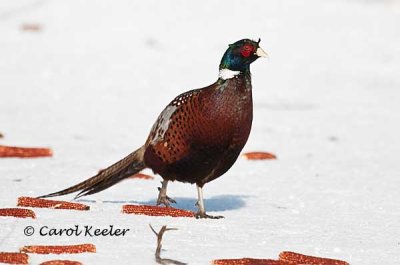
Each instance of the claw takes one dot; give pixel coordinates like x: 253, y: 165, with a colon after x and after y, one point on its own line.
x: 165, y: 200
x: 162, y: 195
x: 170, y: 200
x: 200, y: 203
x: 203, y: 215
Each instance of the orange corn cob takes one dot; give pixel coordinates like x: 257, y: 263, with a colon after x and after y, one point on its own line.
x: 43, y: 203
x: 17, y: 212
x: 67, y: 249
x: 309, y: 260
x: 31, y: 27
x: 249, y: 261
x: 61, y: 262
x: 258, y: 155
x: 156, y: 211
x: 13, y: 258
x: 141, y: 176
x: 24, y: 152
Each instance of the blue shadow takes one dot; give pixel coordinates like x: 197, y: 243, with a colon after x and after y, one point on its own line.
x: 214, y: 204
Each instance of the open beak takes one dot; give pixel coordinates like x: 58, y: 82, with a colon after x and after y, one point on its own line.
x: 261, y: 53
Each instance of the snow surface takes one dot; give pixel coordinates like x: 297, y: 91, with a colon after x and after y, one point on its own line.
x: 92, y: 81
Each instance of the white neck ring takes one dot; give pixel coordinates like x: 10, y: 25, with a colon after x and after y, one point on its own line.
x: 227, y: 74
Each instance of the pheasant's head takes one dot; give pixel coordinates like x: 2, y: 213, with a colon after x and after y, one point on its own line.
x: 241, y: 54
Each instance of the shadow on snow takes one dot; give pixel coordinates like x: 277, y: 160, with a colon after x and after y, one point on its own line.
x: 214, y: 204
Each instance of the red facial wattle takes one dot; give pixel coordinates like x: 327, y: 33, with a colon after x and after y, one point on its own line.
x: 246, y: 50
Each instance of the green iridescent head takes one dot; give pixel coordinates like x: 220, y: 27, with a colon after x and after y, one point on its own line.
x: 241, y: 54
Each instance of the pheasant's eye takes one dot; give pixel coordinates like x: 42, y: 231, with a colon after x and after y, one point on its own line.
x: 246, y: 50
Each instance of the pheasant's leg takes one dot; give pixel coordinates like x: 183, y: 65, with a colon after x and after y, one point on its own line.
x: 200, y: 203
x: 162, y: 195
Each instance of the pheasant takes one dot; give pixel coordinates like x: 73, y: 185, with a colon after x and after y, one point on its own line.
x: 197, y: 137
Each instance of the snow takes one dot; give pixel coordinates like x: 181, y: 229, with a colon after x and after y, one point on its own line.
x: 92, y: 81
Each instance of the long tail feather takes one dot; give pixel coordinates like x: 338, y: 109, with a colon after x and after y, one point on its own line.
x: 124, y: 168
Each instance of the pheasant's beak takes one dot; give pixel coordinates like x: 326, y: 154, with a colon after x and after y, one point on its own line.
x: 261, y: 53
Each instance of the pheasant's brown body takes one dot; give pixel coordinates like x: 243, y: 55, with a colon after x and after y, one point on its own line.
x: 200, y: 134
x: 197, y: 137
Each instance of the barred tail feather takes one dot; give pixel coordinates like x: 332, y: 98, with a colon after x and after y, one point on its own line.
x: 106, y: 178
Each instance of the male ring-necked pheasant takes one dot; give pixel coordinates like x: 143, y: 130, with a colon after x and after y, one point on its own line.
x: 197, y: 137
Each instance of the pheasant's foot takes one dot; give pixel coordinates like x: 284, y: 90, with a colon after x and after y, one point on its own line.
x: 202, y: 210
x: 163, y: 198
x: 203, y: 215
